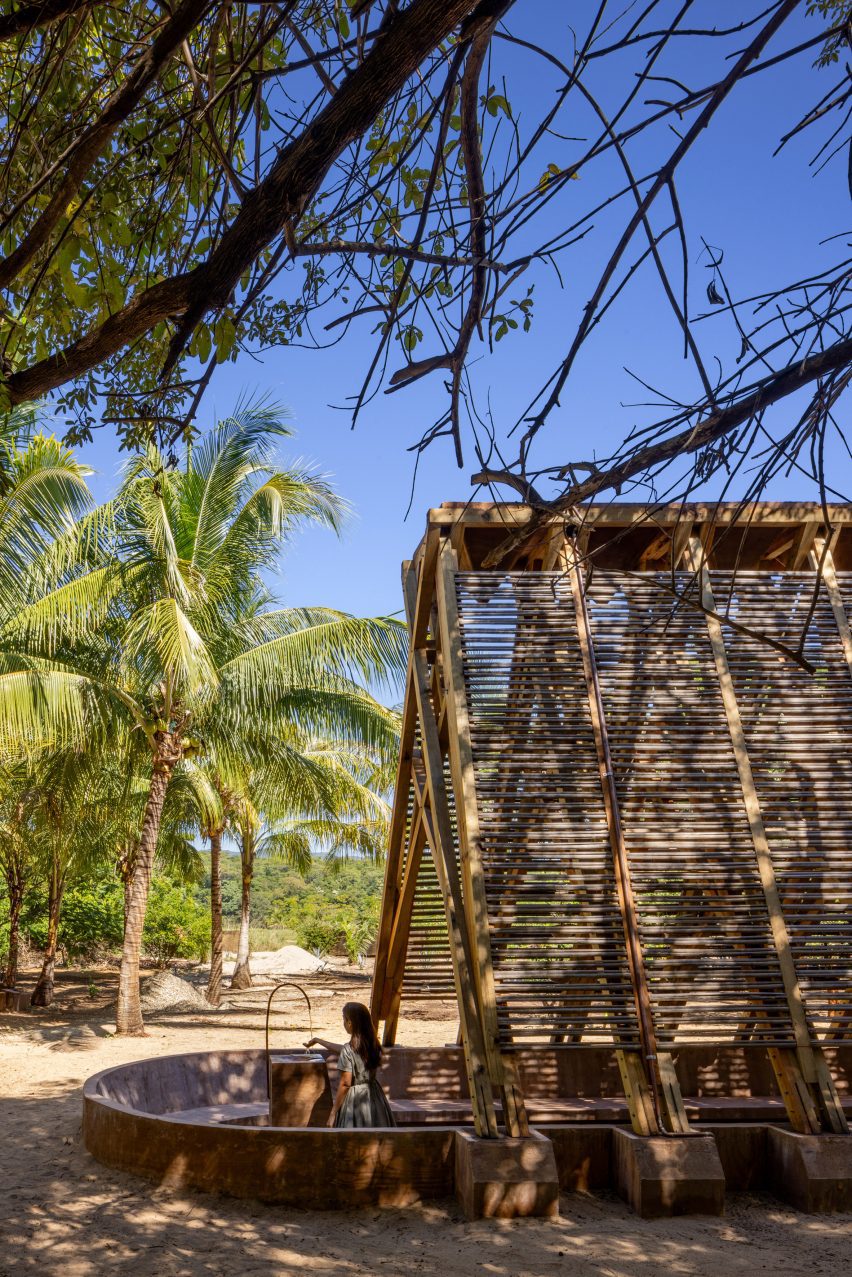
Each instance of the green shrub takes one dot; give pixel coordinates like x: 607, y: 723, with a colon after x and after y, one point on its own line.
x: 92, y: 918
x: 359, y: 936
x: 319, y: 937
x: 268, y: 939
x: 176, y: 926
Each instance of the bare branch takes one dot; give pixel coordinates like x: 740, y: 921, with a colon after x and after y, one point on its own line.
x: 707, y: 431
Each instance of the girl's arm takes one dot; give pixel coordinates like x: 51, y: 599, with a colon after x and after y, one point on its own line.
x: 328, y: 1046
x: 342, y: 1088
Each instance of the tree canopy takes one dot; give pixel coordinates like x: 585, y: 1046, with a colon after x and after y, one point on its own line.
x: 183, y: 184
x: 142, y: 638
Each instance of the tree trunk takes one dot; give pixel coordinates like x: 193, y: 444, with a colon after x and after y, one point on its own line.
x: 124, y: 869
x: 241, y: 979
x: 42, y: 995
x: 129, y: 1011
x: 15, y: 890
x: 214, y: 984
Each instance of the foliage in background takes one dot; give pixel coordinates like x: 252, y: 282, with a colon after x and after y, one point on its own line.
x: 92, y: 922
x: 152, y: 619
x: 177, y: 923
x: 332, y: 903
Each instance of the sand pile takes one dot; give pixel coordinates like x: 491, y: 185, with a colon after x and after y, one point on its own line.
x: 167, y: 992
x: 288, y: 960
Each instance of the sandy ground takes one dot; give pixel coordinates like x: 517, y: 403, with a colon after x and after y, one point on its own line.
x: 64, y: 1213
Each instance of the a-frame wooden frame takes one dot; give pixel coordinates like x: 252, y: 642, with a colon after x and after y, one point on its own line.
x: 436, y: 814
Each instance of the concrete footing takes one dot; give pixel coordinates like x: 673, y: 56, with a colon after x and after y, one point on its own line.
x: 811, y: 1172
x: 661, y: 1176
x: 506, y: 1178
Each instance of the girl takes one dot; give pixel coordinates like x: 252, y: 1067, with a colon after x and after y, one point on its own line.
x: 360, y: 1100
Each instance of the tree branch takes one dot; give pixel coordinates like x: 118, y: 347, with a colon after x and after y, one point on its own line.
x: 660, y: 182
x: 43, y: 13
x: 714, y: 427
x: 281, y: 197
x: 84, y: 150
x: 454, y: 360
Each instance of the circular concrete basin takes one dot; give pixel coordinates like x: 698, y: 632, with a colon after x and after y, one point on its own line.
x: 202, y: 1121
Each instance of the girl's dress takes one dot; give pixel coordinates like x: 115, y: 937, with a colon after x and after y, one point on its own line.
x: 365, y: 1103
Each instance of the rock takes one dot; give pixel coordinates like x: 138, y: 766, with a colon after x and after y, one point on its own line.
x: 167, y: 992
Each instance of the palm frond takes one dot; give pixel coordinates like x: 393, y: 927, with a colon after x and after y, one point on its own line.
x: 45, y: 489
x: 65, y: 614
x: 162, y: 630
x: 43, y: 709
x: 214, y: 483
x: 316, y: 642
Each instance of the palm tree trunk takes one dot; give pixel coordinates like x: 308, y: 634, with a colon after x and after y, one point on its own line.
x: 42, y: 995
x: 214, y: 984
x: 124, y: 869
x: 129, y: 1010
x: 241, y: 979
x: 15, y: 891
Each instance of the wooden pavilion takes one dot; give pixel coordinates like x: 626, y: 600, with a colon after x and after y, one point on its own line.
x: 623, y: 806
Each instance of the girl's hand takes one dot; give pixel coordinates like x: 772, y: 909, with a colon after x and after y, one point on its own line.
x: 330, y: 1121
x: 312, y: 1042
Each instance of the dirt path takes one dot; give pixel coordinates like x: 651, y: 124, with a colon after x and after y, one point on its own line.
x: 63, y: 1213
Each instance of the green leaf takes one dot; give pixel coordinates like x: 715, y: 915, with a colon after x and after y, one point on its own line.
x: 203, y: 342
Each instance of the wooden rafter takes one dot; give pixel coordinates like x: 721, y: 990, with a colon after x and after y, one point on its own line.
x: 802, y: 1111
x: 822, y: 559
x: 501, y: 1070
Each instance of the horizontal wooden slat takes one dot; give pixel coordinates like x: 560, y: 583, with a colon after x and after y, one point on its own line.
x: 797, y: 729
x: 712, y: 970
x: 557, y: 941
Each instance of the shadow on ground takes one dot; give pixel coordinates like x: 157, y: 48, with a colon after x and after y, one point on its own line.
x: 64, y: 1213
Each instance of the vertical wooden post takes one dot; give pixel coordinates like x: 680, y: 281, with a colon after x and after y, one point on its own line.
x: 803, y: 1115
x: 417, y: 590
x: 649, y: 1097
x: 821, y: 554
x: 397, y: 949
x: 439, y: 833
x: 393, y: 866
x: 501, y: 1070
x: 430, y: 821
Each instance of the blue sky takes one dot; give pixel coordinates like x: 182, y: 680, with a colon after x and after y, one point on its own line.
x: 769, y: 216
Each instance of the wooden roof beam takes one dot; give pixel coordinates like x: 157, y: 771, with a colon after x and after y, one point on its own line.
x: 628, y: 514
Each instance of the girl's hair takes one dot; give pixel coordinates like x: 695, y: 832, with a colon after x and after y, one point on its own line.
x: 364, y: 1039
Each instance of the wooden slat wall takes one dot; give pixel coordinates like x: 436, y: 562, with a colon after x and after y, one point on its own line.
x: 428, y: 966
x: 797, y: 729
x: 428, y: 970
x: 557, y: 939
x: 712, y: 971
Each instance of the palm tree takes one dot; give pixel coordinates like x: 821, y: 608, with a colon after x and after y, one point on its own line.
x: 82, y: 807
x: 153, y: 615
x: 270, y: 821
x: 43, y: 490
x: 291, y: 791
